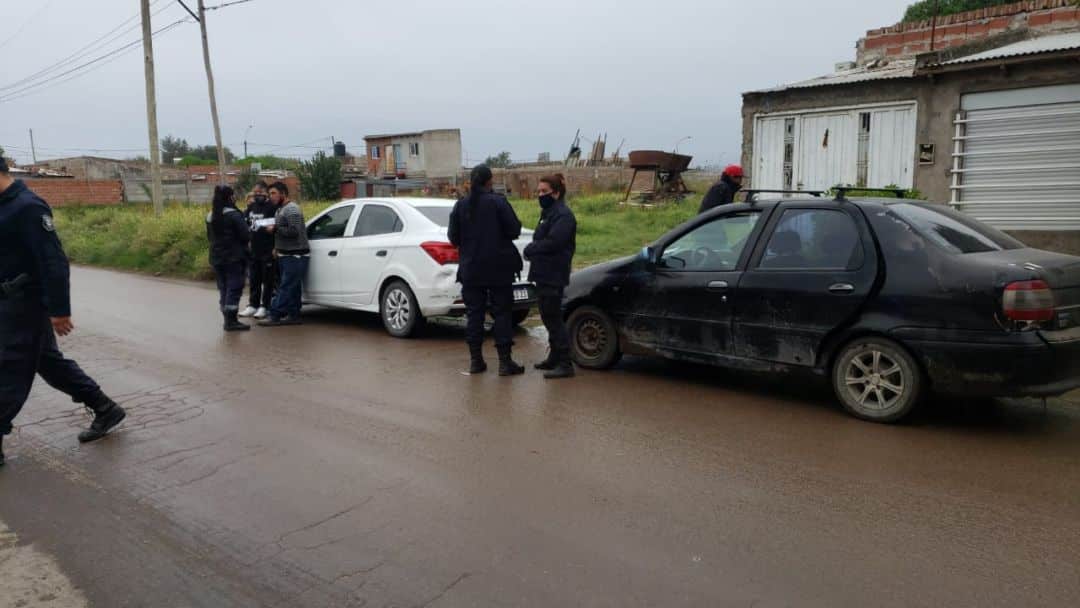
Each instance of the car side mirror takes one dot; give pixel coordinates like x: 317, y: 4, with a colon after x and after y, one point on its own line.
x: 649, y: 255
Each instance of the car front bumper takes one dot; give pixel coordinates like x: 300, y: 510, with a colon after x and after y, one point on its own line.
x: 1027, y: 364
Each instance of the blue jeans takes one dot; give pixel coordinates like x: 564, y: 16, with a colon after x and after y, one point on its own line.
x: 290, y: 291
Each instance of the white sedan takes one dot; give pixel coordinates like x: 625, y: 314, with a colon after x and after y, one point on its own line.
x: 393, y: 256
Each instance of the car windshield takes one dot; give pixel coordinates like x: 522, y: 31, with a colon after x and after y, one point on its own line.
x: 439, y: 215
x: 954, y: 231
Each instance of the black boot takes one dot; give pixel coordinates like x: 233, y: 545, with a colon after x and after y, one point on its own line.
x: 107, y: 414
x: 477, y: 365
x: 549, y: 363
x: 232, y: 323
x: 564, y: 368
x: 507, y: 366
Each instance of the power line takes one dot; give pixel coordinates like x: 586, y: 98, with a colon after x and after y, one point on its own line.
x: 26, y: 23
x: 92, y: 65
x: 227, y: 4
x: 190, y: 12
x: 85, y: 50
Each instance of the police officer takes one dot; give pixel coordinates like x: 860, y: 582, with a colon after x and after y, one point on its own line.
x: 34, y: 307
x: 229, y: 235
x: 723, y: 191
x: 550, y: 254
x: 483, y: 226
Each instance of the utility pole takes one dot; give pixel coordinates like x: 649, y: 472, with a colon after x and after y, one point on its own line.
x: 151, y: 110
x: 33, y: 150
x: 213, y: 97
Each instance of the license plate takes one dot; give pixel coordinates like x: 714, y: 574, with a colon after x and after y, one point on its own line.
x: 520, y: 294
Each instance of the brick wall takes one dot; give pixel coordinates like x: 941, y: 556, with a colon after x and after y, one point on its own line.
x: 579, y: 180
x: 60, y: 192
x: 910, y: 39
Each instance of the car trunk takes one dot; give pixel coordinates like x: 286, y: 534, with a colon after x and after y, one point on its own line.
x: 1061, y: 272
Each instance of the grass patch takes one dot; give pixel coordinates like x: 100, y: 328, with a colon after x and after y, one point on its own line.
x: 130, y: 237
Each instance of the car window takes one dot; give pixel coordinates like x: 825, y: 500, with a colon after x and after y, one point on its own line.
x: 439, y: 215
x: 331, y: 225
x: 712, y: 247
x: 377, y: 219
x: 813, y: 239
x: 954, y: 231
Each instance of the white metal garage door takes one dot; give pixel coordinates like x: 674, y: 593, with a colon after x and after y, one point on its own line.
x: 817, y: 149
x: 1017, y: 158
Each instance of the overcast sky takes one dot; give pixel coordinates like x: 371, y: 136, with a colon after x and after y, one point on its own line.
x: 516, y: 76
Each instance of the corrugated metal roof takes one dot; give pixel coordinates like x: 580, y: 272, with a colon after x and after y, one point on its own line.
x: 900, y: 68
x: 1034, y: 46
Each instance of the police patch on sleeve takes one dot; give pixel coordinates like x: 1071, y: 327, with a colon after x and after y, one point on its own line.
x: 47, y: 223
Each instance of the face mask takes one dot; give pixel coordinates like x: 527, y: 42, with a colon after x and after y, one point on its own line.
x: 547, y: 200
x: 259, y: 198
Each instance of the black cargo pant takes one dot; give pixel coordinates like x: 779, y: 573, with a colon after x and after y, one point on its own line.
x: 230, y: 284
x: 263, y: 280
x: 501, y: 302
x: 550, y: 302
x: 27, y: 348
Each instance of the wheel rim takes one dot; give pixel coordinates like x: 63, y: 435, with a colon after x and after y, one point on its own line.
x: 591, y: 338
x: 875, y: 380
x: 398, y: 309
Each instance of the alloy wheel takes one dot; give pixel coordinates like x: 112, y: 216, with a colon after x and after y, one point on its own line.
x: 875, y: 380
x: 397, y: 310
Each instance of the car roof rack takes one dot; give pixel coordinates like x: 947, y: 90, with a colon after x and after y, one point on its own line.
x: 752, y: 194
x: 841, y: 191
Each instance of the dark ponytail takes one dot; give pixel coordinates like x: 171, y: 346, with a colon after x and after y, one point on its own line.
x: 223, y: 198
x: 478, y: 180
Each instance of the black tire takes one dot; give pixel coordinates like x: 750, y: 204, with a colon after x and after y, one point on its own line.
x: 400, y: 311
x: 876, y: 379
x: 521, y: 315
x: 594, y: 340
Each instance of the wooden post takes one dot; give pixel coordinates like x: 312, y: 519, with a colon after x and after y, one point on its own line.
x: 213, y: 97
x: 151, y: 110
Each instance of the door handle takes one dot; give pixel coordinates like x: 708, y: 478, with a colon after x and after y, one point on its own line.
x: 381, y: 253
x: 717, y: 285
x: 332, y: 254
x: 842, y: 288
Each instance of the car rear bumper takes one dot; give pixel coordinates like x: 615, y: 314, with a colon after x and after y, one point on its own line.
x: 1028, y: 364
x: 449, y: 303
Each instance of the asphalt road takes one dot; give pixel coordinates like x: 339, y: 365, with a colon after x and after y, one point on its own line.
x: 331, y: 465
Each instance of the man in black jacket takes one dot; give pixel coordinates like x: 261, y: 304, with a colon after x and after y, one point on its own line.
x: 263, y: 273
x: 35, y: 305
x: 550, y: 255
x: 483, y: 226
x: 723, y: 191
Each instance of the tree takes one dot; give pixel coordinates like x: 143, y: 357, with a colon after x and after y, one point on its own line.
x: 924, y: 9
x: 270, y: 163
x: 320, y: 178
x: 209, y: 154
x: 174, y: 147
x: 499, y: 161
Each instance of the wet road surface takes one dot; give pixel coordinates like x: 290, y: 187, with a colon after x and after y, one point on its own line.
x: 331, y: 465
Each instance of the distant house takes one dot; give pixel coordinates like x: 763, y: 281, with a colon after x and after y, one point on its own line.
x: 434, y: 154
x: 93, y: 167
x: 980, y: 110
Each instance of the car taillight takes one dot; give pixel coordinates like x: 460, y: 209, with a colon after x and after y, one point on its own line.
x: 1029, y: 301
x: 442, y: 253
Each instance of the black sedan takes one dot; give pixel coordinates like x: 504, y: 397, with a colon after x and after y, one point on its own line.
x: 888, y: 298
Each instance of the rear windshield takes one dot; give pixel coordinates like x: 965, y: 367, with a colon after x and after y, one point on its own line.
x: 953, y: 230
x: 439, y: 215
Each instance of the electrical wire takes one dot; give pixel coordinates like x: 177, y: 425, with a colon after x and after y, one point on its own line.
x: 26, y: 23
x: 102, y: 41
x: 85, y: 68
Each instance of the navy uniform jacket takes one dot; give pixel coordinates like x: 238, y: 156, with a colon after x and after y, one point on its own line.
x: 29, y: 244
x: 231, y: 245
x: 484, y: 231
x: 552, y: 248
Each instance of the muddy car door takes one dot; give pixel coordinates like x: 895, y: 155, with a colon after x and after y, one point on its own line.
x: 697, y: 278
x: 809, y: 275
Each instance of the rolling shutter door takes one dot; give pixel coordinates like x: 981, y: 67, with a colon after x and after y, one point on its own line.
x: 1017, y: 158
